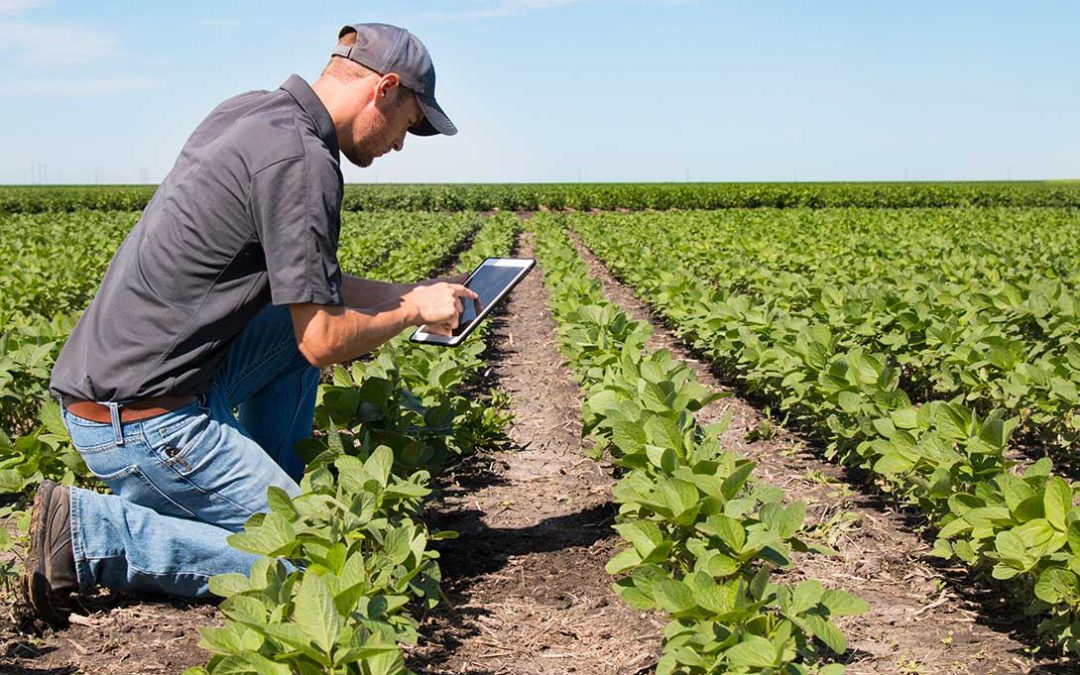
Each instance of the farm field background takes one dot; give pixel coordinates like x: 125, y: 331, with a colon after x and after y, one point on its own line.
x: 919, y: 335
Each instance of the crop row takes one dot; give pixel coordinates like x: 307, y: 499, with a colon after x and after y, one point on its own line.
x: 703, y: 537
x: 346, y: 559
x: 582, y: 196
x: 1016, y: 524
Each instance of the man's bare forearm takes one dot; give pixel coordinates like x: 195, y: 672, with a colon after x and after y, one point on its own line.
x: 327, y: 335
x: 368, y: 293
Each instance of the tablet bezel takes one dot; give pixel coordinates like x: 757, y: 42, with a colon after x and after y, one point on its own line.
x: 523, y: 264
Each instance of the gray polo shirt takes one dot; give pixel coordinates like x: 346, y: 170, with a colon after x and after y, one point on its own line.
x: 249, y: 215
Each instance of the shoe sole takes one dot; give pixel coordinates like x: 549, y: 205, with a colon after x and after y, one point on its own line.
x: 35, y: 581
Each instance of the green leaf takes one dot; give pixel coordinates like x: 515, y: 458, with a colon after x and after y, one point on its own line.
x: 623, y: 561
x: 827, y: 632
x: 1015, y: 490
x: 315, y: 612
x: 11, y: 481
x: 645, y: 535
x: 231, y: 638
x: 995, y: 431
x: 1013, y: 552
x: 406, y: 489
x: 674, y: 597
x: 245, y: 609
x: 1074, y: 537
x: 664, y: 432
x: 850, y: 402
x: 753, y: 652
x: 49, y: 415
x: 628, y: 437
x: 843, y: 603
x: 367, y: 651
x: 379, y: 464
x: 273, y: 537
x: 229, y: 584
x: 661, y: 458
x: 387, y: 663
x: 905, y: 418
x: 1058, y: 585
x: 892, y: 464
x: 280, y: 502
x: 681, y: 498
x: 297, y: 638
x: 806, y: 595
x: 791, y: 519
x: 953, y: 420
x: 735, y: 482
x: 1057, y: 501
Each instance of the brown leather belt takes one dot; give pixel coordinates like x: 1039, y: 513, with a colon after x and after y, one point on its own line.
x: 129, y: 412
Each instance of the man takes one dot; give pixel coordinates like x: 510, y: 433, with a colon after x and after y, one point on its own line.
x: 227, y: 294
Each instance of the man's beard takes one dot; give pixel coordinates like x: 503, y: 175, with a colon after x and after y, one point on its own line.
x: 362, y: 154
x: 360, y: 157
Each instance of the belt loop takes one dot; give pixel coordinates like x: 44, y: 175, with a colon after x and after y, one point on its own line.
x: 114, y: 413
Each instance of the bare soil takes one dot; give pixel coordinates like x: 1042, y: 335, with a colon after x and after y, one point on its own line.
x: 924, y: 617
x: 526, y: 580
x: 110, y: 635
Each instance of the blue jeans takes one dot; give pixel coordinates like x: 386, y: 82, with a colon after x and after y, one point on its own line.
x: 183, y: 481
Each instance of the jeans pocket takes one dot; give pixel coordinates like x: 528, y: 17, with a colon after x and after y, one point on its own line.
x: 176, y: 445
x: 127, y: 481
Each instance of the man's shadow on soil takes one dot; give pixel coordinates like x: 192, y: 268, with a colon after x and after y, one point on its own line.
x: 484, y: 550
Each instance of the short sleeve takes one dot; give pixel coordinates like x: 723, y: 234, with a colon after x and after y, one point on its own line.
x: 296, y: 207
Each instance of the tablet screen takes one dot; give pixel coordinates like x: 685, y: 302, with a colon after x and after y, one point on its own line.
x: 487, y: 282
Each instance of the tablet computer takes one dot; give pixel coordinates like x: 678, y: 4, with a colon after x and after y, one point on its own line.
x: 492, y: 280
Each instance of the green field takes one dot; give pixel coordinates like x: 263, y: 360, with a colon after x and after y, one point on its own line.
x: 922, y: 334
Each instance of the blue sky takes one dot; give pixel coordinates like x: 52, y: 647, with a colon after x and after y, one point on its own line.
x: 568, y: 90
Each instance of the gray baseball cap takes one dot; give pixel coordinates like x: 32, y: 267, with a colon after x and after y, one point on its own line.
x: 389, y: 49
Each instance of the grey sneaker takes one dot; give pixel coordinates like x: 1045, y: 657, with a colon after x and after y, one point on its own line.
x: 50, y: 577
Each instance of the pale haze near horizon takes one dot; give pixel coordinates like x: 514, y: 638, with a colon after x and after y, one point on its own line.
x: 573, y: 90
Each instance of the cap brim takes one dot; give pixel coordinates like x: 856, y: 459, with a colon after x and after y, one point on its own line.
x: 435, y: 120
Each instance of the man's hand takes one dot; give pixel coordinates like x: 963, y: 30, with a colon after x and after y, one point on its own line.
x: 438, y: 304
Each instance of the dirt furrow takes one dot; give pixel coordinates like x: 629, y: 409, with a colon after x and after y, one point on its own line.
x: 923, y: 618
x: 526, y: 578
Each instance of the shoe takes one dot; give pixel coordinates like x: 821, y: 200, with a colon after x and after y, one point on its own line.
x: 50, y: 577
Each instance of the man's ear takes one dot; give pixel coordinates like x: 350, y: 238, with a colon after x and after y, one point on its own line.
x: 386, y: 88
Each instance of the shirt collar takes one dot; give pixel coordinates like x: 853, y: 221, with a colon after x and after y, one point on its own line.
x: 310, y: 103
